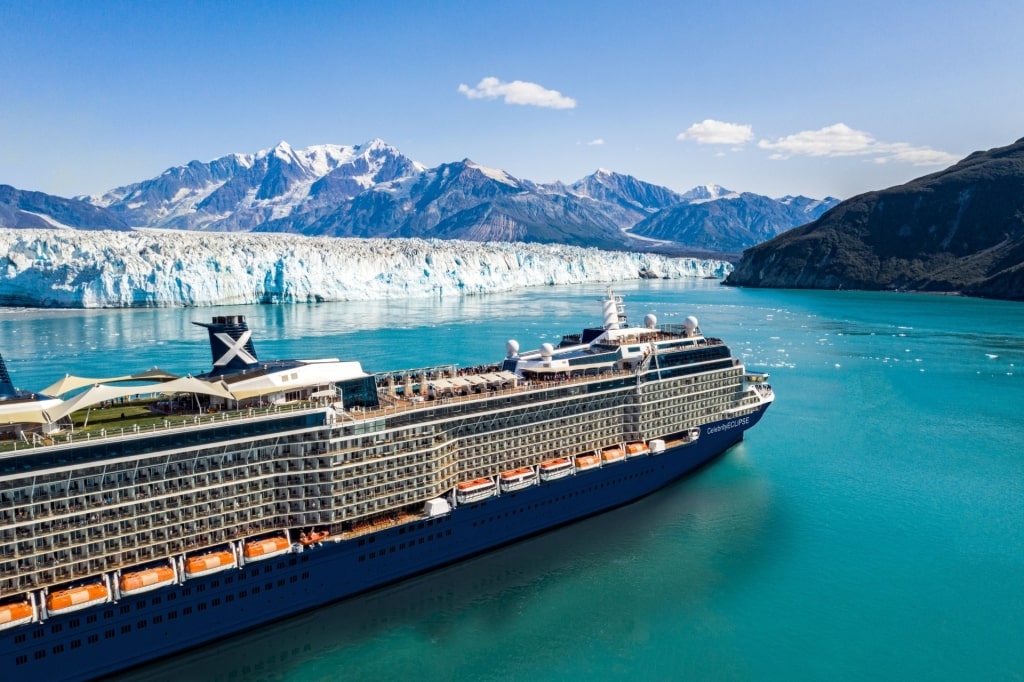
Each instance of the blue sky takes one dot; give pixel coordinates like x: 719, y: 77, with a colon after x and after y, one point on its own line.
x: 805, y: 97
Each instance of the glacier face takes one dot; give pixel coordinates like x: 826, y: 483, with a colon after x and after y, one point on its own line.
x: 153, y: 268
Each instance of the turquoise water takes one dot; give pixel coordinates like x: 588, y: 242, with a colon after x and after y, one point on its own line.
x: 870, y: 527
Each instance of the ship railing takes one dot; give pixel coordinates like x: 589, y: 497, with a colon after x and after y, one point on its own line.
x: 39, y: 570
x: 158, y: 424
x: 394, y: 404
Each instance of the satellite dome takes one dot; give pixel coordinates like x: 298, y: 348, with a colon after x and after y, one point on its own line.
x: 512, y: 347
x: 690, y: 323
x: 650, y: 321
x: 546, y: 350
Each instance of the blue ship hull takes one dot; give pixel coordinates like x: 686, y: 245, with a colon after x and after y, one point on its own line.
x: 111, y: 637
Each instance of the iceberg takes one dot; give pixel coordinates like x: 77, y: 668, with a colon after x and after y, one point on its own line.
x: 166, y: 268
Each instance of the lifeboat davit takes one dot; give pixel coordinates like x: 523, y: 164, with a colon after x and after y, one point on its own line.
x: 267, y: 548
x: 637, y: 449
x: 517, y: 479
x: 314, y: 536
x: 475, y: 490
x: 76, y: 598
x: 146, y: 580
x: 612, y: 455
x: 555, y: 468
x: 12, y: 615
x: 584, y: 462
x: 205, y: 564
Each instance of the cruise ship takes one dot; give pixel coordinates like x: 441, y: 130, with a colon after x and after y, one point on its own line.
x: 208, y: 505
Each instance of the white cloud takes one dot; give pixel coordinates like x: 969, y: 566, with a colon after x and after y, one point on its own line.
x: 518, y: 92
x: 594, y: 143
x: 841, y: 140
x: 901, y: 152
x: 710, y: 131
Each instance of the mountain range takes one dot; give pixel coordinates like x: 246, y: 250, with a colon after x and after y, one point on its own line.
x: 960, y: 230
x: 373, y: 190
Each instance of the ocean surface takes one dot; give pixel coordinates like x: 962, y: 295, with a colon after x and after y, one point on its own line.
x: 871, y: 527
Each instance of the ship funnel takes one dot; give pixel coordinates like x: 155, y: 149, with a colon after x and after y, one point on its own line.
x: 7, y: 389
x: 230, y: 343
x: 613, y: 311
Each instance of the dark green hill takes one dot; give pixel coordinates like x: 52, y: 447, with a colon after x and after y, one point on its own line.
x: 960, y: 230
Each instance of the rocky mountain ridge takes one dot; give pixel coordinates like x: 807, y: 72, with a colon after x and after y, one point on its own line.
x: 960, y: 230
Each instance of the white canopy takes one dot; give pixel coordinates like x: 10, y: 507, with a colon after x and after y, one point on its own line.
x: 26, y: 411
x: 70, y: 383
x: 473, y: 380
x: 100, y: 393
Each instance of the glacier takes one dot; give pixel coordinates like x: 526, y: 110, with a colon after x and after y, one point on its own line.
x: 169, y: 268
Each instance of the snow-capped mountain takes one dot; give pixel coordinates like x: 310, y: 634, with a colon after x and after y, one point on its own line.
x: 373, y: 190
x: 702, y: 193
x: 24, y: 209
x: 721, y: 221
x: 159, y: 268
x: 239, y: 192
x: 639, y: 198
x: 463, y: 200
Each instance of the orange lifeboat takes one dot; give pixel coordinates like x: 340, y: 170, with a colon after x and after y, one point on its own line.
x: 612, y: 455
x: 517, y: 479
x: 584, y: 462
x: 475, y: 490
x: 555, y: 468
x: 146, y: 580
x: 314, y: 536
x: 637, y: 449
x: 205, y: 564
x: 18, y: 613
x: 267, y: 548
x: 76, y: 598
